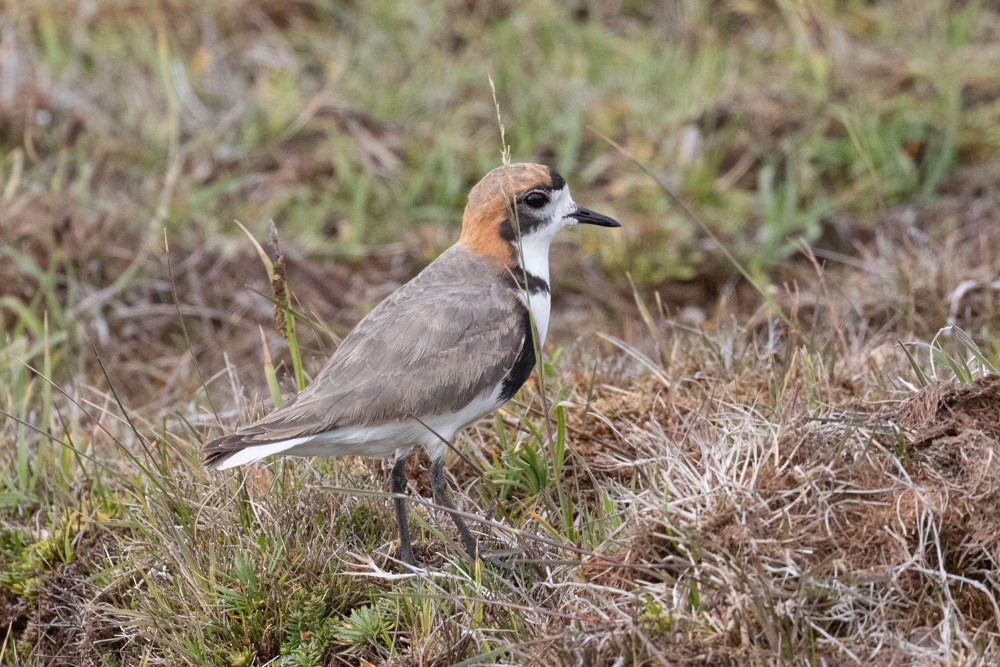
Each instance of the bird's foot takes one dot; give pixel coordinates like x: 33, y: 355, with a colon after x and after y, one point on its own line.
x: 493, y: 560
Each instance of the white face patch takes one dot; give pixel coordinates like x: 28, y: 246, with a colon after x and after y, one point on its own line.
x: 555, y: 214
x: 565, y: 204
x: 534, y: 245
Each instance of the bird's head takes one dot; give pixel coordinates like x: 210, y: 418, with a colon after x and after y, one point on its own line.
x: 524, y: 204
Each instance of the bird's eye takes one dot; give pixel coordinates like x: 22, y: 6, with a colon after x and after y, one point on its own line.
x: 536, y: 199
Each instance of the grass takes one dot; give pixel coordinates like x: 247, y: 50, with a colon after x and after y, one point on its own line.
x: 768, y: 437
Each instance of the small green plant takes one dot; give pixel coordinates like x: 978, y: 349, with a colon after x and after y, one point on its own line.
x: 364, y: 625
x: 522, y: 468
x: 654, y: 617
x: 22, y: 563
x: 25, y: 561
x: 964, y: 362
x: 310, y: 628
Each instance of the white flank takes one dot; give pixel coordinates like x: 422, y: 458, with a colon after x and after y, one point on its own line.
x: 377, y: 440
x: 258, y: 452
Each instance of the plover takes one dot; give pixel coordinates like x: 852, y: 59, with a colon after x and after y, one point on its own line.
x: 445, y: 349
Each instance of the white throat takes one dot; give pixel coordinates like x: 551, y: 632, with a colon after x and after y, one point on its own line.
x: 533, y: 255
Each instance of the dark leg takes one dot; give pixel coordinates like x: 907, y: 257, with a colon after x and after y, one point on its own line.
x: 443, y: 498
x: 399, y: 487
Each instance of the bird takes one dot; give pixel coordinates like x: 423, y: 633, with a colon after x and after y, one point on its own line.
x: 445, y: 349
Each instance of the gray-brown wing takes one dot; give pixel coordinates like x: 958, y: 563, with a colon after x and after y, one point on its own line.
x: 443, y: 339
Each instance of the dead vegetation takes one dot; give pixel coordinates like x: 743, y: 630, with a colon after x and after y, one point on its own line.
x: 740, y: 494
x: 805, y: 474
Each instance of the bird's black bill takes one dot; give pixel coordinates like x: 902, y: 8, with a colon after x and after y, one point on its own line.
x: 587, y: 217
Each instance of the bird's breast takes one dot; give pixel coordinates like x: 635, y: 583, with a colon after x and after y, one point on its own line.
x: 540, y: 304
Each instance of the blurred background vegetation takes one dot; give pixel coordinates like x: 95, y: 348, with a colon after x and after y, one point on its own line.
x: 360, y: 126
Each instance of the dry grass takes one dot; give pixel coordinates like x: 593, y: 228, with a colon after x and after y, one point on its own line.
x: 757, y: 493
x: 807, y: 475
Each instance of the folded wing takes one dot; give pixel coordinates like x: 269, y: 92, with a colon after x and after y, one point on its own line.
x: 450, y: 335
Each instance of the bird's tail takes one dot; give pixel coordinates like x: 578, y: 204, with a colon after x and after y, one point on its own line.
x: 237, y: 449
